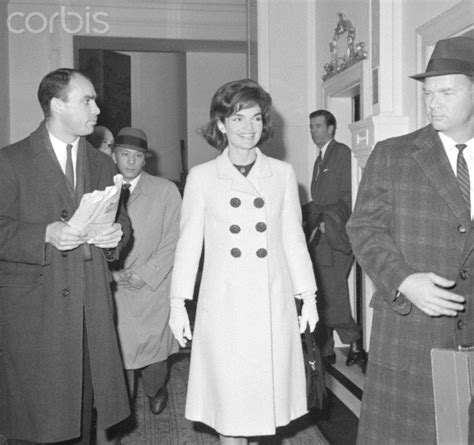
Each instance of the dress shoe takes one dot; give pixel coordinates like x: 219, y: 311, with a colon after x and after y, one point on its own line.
x: 158, y: 403
x: 356, y: 354
x: 329, y: 359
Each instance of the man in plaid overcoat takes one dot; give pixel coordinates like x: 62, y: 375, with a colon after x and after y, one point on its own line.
x: 412, y: 232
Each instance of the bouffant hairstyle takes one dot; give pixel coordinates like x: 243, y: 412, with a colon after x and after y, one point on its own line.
x: 229, y: 99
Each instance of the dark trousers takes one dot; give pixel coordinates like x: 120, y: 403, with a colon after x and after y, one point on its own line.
x: 348, y: 333
x: 153, y: 378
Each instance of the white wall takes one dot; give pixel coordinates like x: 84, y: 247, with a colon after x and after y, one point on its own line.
x: 286, y: 68
x: 206, y: 72
x: 159, y: 106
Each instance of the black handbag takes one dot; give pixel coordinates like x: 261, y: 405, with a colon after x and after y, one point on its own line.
x: 314, y: 368
x: 315, y: 372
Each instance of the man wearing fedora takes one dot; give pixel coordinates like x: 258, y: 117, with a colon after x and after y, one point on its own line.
x: 142, y: 274
x: 412, y: 232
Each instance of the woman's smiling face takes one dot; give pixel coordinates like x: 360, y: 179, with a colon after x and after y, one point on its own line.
x: 243, y: 128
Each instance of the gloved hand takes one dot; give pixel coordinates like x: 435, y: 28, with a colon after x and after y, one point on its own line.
x: 179, y: 321
x: 309, y: 314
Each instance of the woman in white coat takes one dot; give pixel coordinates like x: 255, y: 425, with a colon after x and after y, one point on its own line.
x: 247, y: 374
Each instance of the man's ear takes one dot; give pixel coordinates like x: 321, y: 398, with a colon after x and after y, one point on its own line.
x: 221, y: 126
x: 114, y: 156
x: 331, y: 129
x: 56, y: 105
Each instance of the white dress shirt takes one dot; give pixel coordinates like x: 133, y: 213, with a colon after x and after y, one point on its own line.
x: 452, y: 153
x: 133, y: 183
x: 59, y: 148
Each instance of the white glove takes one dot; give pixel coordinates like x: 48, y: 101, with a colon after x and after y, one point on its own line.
x: 179, y: 321
x: 309, y: 314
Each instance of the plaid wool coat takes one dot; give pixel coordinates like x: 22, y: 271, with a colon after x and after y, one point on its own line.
x: 409, y: 217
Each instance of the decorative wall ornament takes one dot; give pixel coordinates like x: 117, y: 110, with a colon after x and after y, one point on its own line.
x: 343, y: 53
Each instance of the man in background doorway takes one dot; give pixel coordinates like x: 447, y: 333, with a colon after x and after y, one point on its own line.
x: 329, y: 244
x: 102, y: 139
x: 143, y: 272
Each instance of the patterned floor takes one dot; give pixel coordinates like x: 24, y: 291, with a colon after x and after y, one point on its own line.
x: 171, y: 428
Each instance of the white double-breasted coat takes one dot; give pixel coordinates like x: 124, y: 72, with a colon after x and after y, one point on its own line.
x: 247, y: 373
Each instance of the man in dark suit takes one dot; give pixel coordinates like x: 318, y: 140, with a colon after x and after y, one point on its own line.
x: 59, y: 353
x: 412, y: 233
x: 329, y: 244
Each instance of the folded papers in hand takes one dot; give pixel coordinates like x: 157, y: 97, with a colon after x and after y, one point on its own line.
x: 97, y: 210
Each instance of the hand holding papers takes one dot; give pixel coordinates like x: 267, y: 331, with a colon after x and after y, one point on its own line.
x: 96, y: 213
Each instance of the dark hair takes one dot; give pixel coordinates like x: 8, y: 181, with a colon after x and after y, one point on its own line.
x: 55, y: 84
x: 329, y: 118
x: 95, y: 139
x: 97, y: 136
x: 231, y: 98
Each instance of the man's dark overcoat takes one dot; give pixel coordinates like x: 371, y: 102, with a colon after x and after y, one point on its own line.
x: 331, y: 251
x: 409, y: 217
x: 46, y: 294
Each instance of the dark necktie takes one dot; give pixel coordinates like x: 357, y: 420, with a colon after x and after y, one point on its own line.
x: 125, y: 193
x: 317, y: 168
x: 69, y: 167
x: 463, y: 175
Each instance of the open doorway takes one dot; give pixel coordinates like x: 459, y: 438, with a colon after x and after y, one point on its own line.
x: 171, y: 83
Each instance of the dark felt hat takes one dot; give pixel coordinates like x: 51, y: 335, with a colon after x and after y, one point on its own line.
x: 132, y: 138
x: 450, y: 56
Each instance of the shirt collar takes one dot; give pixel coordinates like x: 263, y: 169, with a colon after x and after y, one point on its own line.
x: 449, y: 144
x: 133, y: 183
x: 59, y: 144
x: 324, y: 148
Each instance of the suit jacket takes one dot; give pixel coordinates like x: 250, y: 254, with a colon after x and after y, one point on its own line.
x: 143, y: 314
x: 331, y: 251
x: 247, y: 373
x: 331, y: 196
x: 410, y: 217
x: 45, y: 296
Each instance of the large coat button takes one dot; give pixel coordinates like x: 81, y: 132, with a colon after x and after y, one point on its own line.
x: 262, y: 253
x: 464, y: 274
x: 234, y: 228
x: 261, y: 226
x: 66, y: 292
x: 235, y: 202
x: 461, y: 324
x: 461, y: 229
x: 236, y: 253
x: 64, y: 214
x: 258, y: 202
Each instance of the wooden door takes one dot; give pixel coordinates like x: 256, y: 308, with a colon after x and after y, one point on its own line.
x: 110, y: 73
